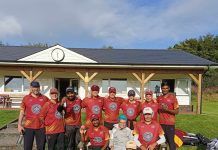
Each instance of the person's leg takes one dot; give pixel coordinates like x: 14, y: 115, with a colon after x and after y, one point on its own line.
x: 51, y: 140
x: 70, y: 137
x: 40, y: 138
x: 28, y: 138
x: 77, y: 136
x: 169, y: 132
x: 60, y: 141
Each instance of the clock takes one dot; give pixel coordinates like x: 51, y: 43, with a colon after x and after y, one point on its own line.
x: 57, y: 55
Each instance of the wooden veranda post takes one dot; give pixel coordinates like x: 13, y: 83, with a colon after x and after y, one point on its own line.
x: 143, y: 81
x: 198, y: 82
x: 30, y: 77
x: 86, y: 79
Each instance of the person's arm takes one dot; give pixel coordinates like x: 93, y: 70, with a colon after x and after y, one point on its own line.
x: 20, y: 119
x: 160, y: 141
x: 138, y: 143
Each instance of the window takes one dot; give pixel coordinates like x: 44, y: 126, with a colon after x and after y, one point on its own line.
x: 182, y: 87
x: 154, y: 86
x: 16, y: 84
x: 119, y: 84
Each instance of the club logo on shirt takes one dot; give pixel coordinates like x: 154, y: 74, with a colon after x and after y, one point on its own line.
x: 36, y: 108
x: 113, y: 106
x: 130, y: 111
x: 96, y: 109
x: 58, y: 115
x: 97, y: 139
x: 147, y: 136
x: 76, y: 108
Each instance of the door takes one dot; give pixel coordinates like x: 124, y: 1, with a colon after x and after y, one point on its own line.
x: 62, y: 83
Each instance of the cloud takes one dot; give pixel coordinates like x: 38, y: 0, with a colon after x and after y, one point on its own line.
x: 9, y: 26
x: 117, y: 22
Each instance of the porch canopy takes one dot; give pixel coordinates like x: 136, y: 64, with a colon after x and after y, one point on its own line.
x: 31, y: 62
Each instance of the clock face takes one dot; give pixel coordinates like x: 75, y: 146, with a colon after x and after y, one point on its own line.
x: 57, y: 54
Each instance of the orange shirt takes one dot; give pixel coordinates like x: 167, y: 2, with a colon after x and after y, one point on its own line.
x: 92, y: 105
x: 153, y: 105
x: 73, y: 112
x: 53, y: 120
x: 111, y: 109
x: 171, y: 102
x: 98, y: 136
x: 148, y: 133
x: 31, y: 106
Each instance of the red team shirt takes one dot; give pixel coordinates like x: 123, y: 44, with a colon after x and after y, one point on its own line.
x: 93, y: 105
x: 111, y: 109
x: 53, y: 120
x: 98, y: 136
x: 31, y: 106
x: 153, y: 105
x: 172, y: 104
x: 148, y: 133
x: 131, y: 110
x: 73, y: 111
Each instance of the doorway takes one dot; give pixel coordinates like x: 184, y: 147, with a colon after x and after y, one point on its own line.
x: 62, y: 83
x: 171, y: 83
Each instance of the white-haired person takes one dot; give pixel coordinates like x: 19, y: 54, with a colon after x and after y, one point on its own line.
x: 148, y: 134
x: 120, y: 134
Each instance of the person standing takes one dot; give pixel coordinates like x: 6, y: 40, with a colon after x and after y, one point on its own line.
x: 131, y: 109
x: 93, y: 105
x: 30, y: 110
x: 53, y: 121
x: 149, y: 102
x: 111, y: 108
x: 120, y: 134
x: 148, y: 134
x: 72, y: 107
x: 97, y: 134
x: 168, y: 108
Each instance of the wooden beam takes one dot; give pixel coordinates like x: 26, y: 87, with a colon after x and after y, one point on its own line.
x: 137, y: 77
x: 25, y: 75
x: 194, y: 78
x: 80, y: 75
x: 199, y: 107
x: 92, y: 76
x: 149, y: 77
x: 37, y: 75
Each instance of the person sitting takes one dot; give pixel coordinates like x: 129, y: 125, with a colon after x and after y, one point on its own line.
x: 120, y: 134
x: 97, y: 134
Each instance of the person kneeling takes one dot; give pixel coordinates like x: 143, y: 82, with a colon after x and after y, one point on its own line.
x: 97, y: 134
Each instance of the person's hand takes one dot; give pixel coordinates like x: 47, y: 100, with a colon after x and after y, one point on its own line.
x: 82, y: 129
x: 152, y: 146
x: 143, y: 147
x: 63, y: 101
x: 111, y: 147
x: 164, y: 107
x: 20, y: 128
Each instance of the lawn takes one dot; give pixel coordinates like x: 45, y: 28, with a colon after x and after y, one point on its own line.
x: 7, y: 116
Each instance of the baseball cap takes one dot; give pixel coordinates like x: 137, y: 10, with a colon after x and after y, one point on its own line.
x: 69, y: 89
x: 131, y: 93
x: 131, y: 144
x: 122, y: 117
x: 53, y: 91
x: 95, y: 88
x: 147, y: 110
x: 148, y: 92
x: 94, y: 117
x: 35, y: 84
x: 112, y: 90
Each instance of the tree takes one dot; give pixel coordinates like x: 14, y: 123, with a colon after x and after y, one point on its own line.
x: 205, y: 47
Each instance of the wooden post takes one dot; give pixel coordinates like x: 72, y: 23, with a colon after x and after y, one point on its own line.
x: 143, y: 81
x: 198, y: 82
x: 30, y: 76
x: 86, y: 80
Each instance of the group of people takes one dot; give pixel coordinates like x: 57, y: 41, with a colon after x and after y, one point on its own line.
x: 144, y: 123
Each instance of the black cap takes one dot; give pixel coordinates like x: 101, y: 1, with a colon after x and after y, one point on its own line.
x: 69, y: 89
x: 131, y: 93
x: 35, y: 84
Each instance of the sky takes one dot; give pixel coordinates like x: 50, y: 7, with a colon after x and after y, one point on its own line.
x: 141, y: 24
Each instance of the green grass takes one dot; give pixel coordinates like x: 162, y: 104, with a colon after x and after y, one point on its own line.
x: 8, y: 116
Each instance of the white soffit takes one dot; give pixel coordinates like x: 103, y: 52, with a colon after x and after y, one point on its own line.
x: 63, y: 54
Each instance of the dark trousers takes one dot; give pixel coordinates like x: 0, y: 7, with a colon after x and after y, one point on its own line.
x: 169, y: 132
x: 109, y: 125
x: 54, y: 140
x: 29, y: 135
x: 73, y: 136
x: 131, y: 123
